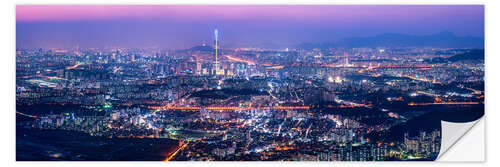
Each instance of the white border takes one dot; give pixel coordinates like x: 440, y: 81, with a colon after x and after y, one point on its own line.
x: 8, y: 83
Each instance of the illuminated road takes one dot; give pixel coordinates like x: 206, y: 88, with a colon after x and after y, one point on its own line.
x: 23, y: 114
x: 443, y: 103
x: 378, y: 67
x: 177, y: 151
x: 231, y: 108
x: 73, y: 67
x: 239, y: 60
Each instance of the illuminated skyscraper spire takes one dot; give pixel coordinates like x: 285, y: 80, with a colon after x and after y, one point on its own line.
x: 216, y: 38
x: 218, y: 70
x: 216, y: 34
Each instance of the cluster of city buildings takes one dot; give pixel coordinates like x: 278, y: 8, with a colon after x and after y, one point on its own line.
x: 249, y: 103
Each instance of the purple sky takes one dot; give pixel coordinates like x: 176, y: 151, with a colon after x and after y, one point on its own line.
x: 184, y: 26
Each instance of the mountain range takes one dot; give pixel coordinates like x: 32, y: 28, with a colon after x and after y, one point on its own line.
x: 443, y: 39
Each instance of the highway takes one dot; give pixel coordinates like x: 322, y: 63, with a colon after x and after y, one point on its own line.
x: 177, y: 151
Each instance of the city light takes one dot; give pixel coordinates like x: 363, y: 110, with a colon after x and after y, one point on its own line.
x: 187, y: 92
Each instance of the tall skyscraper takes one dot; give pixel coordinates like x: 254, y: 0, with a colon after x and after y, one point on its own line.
x: 216, y: 46
x: 346, y: 56
x: 218, y: 71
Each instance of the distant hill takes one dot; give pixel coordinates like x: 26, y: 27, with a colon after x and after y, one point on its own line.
x: 201, y: 48
x: 443, y: 39
x: 475, y: 54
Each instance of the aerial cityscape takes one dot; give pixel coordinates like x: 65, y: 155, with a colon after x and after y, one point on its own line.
x: 201, y: 94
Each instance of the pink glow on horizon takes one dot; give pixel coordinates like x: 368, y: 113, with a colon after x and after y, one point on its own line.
x: 110, y: 12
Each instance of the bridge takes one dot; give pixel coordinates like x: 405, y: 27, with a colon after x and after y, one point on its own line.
x: 443, y: 103
x: 230, y: 108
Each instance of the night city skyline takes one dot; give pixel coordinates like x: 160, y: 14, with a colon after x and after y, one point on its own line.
x: 245, y: 83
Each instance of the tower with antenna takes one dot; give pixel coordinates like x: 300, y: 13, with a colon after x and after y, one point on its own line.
x: 216, y: 46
